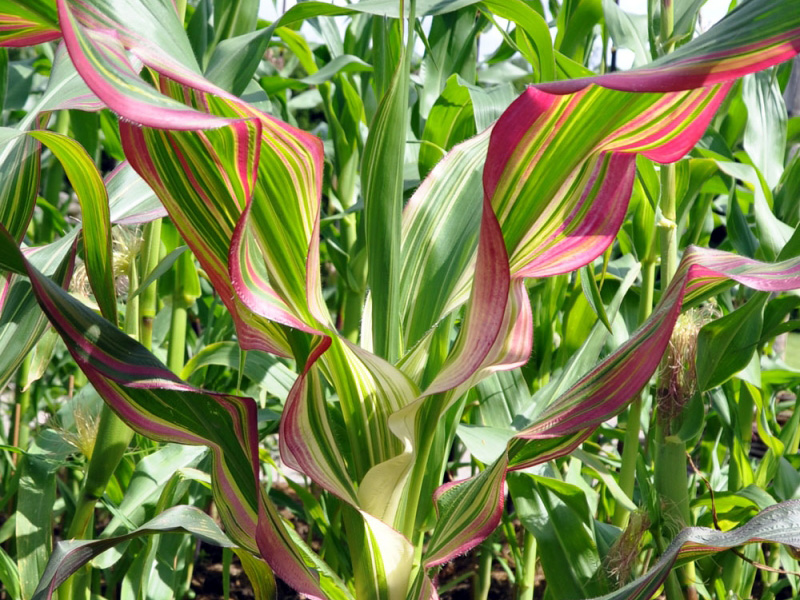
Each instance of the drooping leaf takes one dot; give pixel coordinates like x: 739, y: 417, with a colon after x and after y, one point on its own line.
x: 731, y: 48
x: 70, y: 555
x: 96, y: 226
x: 606, y: 389
x: 777, y: 524
x: 156, y: 403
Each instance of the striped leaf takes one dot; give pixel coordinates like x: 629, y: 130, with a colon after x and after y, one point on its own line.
x: 96, y: 227
x: 731, y: 48
x: 20, y: 165
x: 154, y: 402
x: 560, y: 169
x: 27, y: 22
x: 608, y: 388
x: 130, y: 201
x: 778, y: 524
x: 70, y: 555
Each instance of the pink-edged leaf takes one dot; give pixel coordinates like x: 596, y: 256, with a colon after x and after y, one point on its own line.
x: 27, y: 22
x: 154, y: 402
x: 731, y: 48
x: 560, y: 169
x: 467, y: 511
x: 99, y: 54
x: 608, y: 388
x: 224, y: 171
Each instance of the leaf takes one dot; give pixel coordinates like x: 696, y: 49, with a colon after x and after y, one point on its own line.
x: 164, y: 265
x: 628, y: 31
x: 557, y: 514
x: 535, y: 28
x: 9, y: 576
x: 382, y: 190
x: 235, y: 60
x: 69, y: 556
x: 261, y: 368
x: 34, y: 527
x: 155, y: 402
x: 592, y: 294
x: 344, y: 63
x: 147, y: 482
x: 765, y: 132
x: 96, y: 225
x: 772, y: 234
x: 28, y: 22
x: 20, y: 163
x: 776, y: 524
x: 607, y: 388
x: 21, y: 321
x: 731, y: 48
x: 384, y: 8
x: 726, y: 345
x: 450, y: 121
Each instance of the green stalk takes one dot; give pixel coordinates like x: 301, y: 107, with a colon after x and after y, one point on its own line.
x: 185, y: 292
x: 149, y: 299
x: 671, y: 480
x: 668, y: 225
x: 177, y: 336
x: 630, y: 450
x: 22, y: 405
x: 526, y: 584
x: 483, y: 577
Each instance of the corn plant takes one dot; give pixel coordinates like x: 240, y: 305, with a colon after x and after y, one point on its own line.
x: 437, y: 291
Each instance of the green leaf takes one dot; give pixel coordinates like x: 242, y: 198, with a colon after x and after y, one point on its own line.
x: 235, y: 60
x: 91, y: 192
x: 146, y: 485
x: 765, y: 132
x: 34, y: 526
x: 725, y: 346
x: 540, y: 54
x: 261, y: 368
x: 592, y: 294
x: 450, y: 121
x: 69, y: 556
x: 382, y: 189
x: 558, y: 516
x: 9, y: 576
x: 628, y: 31
x: 164, y: 265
